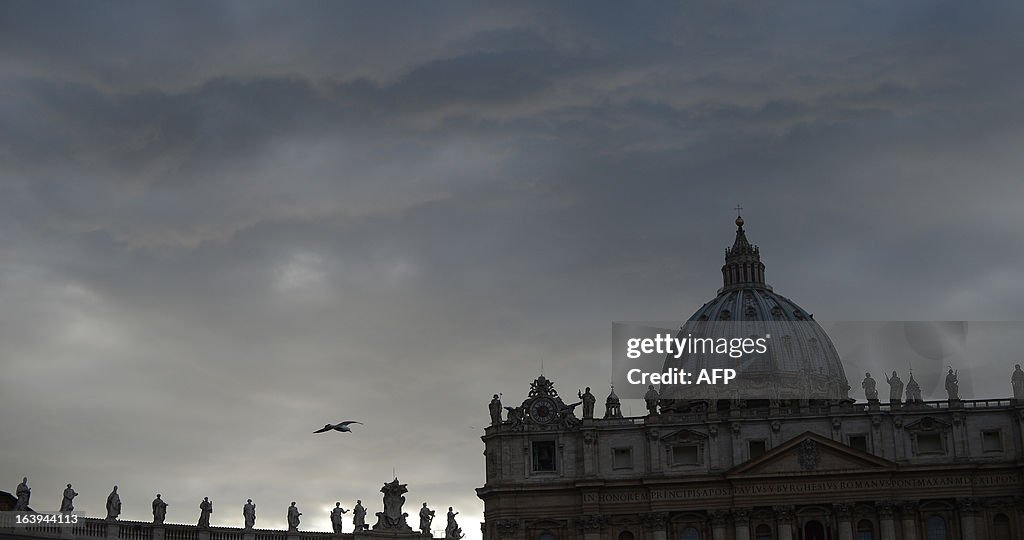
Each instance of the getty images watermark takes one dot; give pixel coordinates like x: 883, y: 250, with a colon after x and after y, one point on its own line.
x: 807, y: 359
x: 667, y: 346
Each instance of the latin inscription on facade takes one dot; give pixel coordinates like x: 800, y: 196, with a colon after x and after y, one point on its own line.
x: 789, y: 487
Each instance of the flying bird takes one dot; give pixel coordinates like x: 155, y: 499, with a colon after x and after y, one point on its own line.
x: 340, y: 426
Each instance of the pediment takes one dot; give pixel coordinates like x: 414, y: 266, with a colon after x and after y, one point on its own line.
x: 810, y: 453
x: 684, y: 436
x: 927, y: 424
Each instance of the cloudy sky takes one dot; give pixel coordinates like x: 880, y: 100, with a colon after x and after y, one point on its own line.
x: 223, y: 225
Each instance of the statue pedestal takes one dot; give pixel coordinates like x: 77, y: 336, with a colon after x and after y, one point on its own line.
x: 955, y: 404
x: 158, y: 532
x: 249, y: 534
x: 203, y: 534
x: 873, y: 405
x: 113, y: 529
x: 293, y: 535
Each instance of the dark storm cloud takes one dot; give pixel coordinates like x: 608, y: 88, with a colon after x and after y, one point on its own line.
x: 223, y: 225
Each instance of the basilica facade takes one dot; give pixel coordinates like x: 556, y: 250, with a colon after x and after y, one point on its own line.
x: 788, y: 467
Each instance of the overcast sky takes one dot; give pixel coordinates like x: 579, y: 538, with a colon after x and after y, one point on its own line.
x: 223, y: 225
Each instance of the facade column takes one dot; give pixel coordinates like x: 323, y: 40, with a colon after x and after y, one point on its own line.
x: 654, y: 525
x: 908, y: 512
x: 506, y: 529
x: 713, y: 446
x: 967, y: 522
x: 842, y: 512
x: 590, y: 526
x: 899, y: 438
x: 589, y: 449
x: 734, y: 443
x: 741, y: 522
x: 719, y: 524
x: 784, y: 516
x: 1016, y: 514
x: 886, y: 523
x: 654, y: 449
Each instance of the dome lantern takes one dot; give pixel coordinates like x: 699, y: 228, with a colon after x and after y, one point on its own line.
x: 743, y: 268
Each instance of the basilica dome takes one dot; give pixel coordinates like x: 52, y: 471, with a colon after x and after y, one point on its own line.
x: 800, y: 362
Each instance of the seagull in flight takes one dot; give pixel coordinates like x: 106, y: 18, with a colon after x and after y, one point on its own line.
x: 340, y: 426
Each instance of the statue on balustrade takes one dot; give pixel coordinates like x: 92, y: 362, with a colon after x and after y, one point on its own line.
x: 868, y: 385
x: 293, y: 518
x: 113, y: 504
x: 895, y: 387
x: 359, y: 516
x: 452, y: 531
x: 249, y: 514
x: 953, y: 384
x: 23, y: 493
x: 66, y: 504
x: 205, y: 509
x: 337, y: 517
x: 159, y: 510
x: 426, y: 517
x: 495, y: 409
x: 588, y: 403
x: 1017, y: 380
x: 651, y: 398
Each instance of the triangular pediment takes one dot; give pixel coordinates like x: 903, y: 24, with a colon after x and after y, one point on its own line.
x: 684, y: 436
x: 927, y: 424
x: 810, y: 453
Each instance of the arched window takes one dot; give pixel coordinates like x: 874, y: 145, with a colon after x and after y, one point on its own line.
x: 625, y: 535
x: 1001, y: 527
x: 547, y: 536
x: 936, y: 528
x: 814, y: 530
x: 763, y: 532
x: 865, y: 530
x: 689, y: 533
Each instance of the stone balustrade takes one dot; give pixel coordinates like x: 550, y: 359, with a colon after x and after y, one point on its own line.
x: 94, y: 528
x: 762, y: 412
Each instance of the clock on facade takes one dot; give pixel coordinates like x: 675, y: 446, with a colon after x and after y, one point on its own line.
x: 543, y: 410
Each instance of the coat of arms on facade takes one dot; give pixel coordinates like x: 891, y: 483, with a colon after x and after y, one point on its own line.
x: 542, y: 386
x: 393, y: 517
x: 808, y: 455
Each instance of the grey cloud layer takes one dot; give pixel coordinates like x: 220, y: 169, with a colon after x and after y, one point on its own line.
x: 222, y: 226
